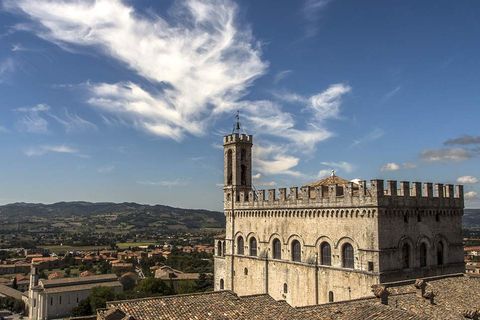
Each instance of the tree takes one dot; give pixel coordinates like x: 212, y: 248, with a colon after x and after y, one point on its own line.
x: 67, y: 272
x: 14, y: 283
x: 204, y: 282
x: 83, y: 308
x: 152, y: 286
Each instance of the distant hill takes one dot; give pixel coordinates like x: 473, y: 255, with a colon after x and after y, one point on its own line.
x: 128, y: 212
x: 471, y: 218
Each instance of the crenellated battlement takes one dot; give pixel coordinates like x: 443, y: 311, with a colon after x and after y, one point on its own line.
x: 374, y: 193
x: 236, y: 137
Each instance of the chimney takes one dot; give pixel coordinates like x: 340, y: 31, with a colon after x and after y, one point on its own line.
x: 420, y: 284
x: 382, y: 293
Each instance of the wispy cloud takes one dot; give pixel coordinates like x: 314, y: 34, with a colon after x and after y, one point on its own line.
x: 201, y: 64
x: 7, y: 66
x: 41, y: 150
x: 463, y: 140
x: 312, y: 12
x: 467, y: 180
x: 390, y: 94
x: 279, y: 76
x: 447, y: 154
x: 373, y: 135
x: 165, y: 183
x: 32, y: 119
x: 73, y: 122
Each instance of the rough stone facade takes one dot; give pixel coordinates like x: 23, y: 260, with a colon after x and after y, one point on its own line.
x: 332, y: 240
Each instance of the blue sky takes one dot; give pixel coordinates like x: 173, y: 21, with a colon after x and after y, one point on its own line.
x: 113, y: 100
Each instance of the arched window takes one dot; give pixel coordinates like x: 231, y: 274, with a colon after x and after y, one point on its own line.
x: 219, y: 248
x: 330, y: 296
x: 423, y: 255
x: 240, y: 245
x: 277, y: 249
x: 224, y: 248
x: 440, y: 253
x: 325, y: 254
x: 347, y: 256
x: 296, y: 251
x: 406, y: 256
x: 253, y: 247
x: 285, y: 288
x: 245, y: 271
x: 243, y: 174
x: 222, y: 286
x: 229, y: 167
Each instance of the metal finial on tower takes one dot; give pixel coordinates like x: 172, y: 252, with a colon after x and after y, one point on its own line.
x: 333, y: 173
x: 236, y: 126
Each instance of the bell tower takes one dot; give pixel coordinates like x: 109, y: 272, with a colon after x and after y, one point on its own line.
x: 237, y: 163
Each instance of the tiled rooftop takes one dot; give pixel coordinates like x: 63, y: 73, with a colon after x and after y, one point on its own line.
x: 453, y: 298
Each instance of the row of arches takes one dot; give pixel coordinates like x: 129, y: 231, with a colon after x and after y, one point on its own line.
x: 309, y: 213
x: 347, y: 251
x: 424, y: 254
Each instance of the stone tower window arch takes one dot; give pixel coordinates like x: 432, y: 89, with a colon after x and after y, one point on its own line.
x: 325, y: 254
x: 440, y: 253
x: 222, y: 284
x: 219, y: 248
x: 348, y: 256
x: 296, y: 251
x: 330, y: 296
x: 406, y: 256
x: 277, y: 249
x: 229, y: 167
x: 253, y: 247
x: 240, y: 245
x: 423, y: 254
x: 285, y: 288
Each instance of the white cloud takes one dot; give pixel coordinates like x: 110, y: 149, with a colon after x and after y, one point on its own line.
x: 391, y: 166
x: 448, y: 154
x: 256, y: 176
x: 266, y: 184
x: 326, y: 104
x: 198, y: 63
x: 471, y: 195
x: 201, y: 64
x: 467, y: 180
x: 272, y: 159
x: 41, y: 150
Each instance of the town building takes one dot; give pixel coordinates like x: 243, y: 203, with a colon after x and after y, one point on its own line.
x: 52, y: 299
x: 333, y: 239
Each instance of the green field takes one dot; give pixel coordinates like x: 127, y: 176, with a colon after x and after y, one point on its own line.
x: 125, y: 245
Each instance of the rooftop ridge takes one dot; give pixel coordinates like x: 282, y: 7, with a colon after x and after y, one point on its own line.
x: 173, y: 296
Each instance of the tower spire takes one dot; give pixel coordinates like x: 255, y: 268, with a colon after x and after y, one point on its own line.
x: 236, y: 126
